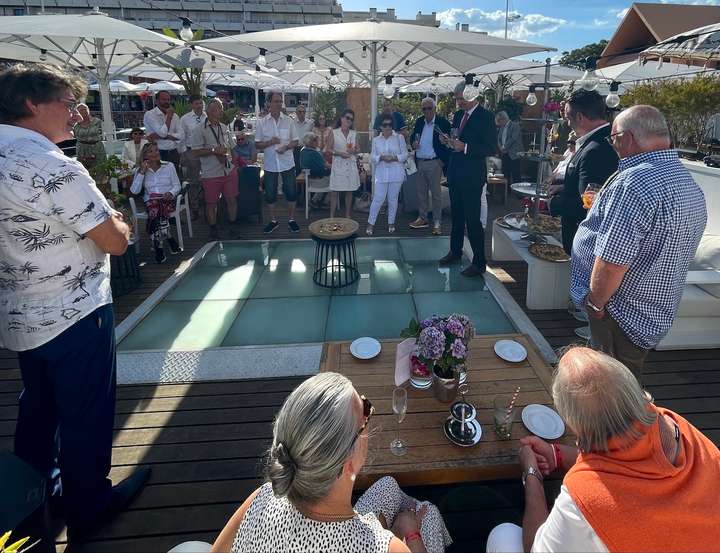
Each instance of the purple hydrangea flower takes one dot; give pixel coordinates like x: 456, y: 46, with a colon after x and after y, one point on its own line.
x: 431, y: 343
x: 454, y: 326
x: 458, y: 349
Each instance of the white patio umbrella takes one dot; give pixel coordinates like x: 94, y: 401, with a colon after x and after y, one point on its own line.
x: 372, y: 49
x: 92, y: 41
x: 117, y: 86
x: 257, y: 80
x: 701, y: 44
x: 167, y: 86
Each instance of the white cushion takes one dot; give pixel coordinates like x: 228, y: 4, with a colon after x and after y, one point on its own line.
x: 707, y: 256
x: 697, y: 302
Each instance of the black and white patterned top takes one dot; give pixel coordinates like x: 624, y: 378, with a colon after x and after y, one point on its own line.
x: 273, y: 524
x: 651, y: 218
x: 51, y: 276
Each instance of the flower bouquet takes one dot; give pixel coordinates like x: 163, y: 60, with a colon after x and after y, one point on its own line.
x: 441, y: 346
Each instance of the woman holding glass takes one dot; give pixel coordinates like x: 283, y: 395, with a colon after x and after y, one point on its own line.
x: 389, y: 153
x: 344, y: 176
x: 320, y: 444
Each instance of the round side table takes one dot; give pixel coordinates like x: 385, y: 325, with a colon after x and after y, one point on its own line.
x: 335, y: 257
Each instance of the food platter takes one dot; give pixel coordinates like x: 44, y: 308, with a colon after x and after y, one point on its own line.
x: 549, y: 252
x: 544, y: 225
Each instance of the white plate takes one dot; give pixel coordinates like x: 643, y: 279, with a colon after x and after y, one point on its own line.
x: 510, y: 350
x: 543, y: 421
x: 365, y: 348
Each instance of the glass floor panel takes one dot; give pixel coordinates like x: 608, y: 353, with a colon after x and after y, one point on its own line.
x: 261, y: 293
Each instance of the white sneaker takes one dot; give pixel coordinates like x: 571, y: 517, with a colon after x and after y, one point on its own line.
x: 369, y: 230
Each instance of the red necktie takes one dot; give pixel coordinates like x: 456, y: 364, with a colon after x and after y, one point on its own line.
x: 462, y: 123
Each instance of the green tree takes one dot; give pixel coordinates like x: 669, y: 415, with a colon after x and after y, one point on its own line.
x: 687, y: 105
x: 328, y: 102
x: 576, y: 58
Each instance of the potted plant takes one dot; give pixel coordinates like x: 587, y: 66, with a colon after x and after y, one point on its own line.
x: 441, y: 349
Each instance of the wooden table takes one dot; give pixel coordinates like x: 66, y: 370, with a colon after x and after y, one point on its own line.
x: 431, y: 458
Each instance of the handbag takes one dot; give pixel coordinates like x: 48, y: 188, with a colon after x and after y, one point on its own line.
x: 410, y: 166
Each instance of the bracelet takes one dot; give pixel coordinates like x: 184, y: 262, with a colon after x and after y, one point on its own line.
x: 558, y: 456
x: 412, y: 536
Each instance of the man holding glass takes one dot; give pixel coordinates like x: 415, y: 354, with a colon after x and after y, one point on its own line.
x: 277, y: 137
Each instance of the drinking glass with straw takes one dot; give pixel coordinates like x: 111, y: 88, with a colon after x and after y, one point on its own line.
x: 504, y: 414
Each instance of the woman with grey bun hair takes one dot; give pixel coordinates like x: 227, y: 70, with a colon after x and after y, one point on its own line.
x: 320, y: 443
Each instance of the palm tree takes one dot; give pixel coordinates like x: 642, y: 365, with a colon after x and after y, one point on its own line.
x: 28, y: 268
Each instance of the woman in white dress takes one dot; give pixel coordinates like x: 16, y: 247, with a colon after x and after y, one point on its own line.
x: 344, y: 176
x: 389, y: 152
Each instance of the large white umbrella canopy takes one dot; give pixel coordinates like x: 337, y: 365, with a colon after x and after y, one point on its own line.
x: 167, y: 86
x: 634, y: 72
x: 92, y: 41
x: 119, y: 87
x: 373, y: 49
x: 697, y: 45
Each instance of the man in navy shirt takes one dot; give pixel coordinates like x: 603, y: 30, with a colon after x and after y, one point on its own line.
x: 389, y: 109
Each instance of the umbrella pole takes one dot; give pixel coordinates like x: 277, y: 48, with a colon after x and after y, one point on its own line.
x: 373, y: 92
x: 104, y: 88
x: 257, y: 103
x: 541, y: 164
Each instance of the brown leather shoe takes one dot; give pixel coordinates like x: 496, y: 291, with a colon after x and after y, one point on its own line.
x: 472, y: 271
x: 419, y: 223
x: 449, y: 259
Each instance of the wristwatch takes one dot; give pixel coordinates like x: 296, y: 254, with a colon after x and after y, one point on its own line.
x: 531, y: 472
x: 592, y: 306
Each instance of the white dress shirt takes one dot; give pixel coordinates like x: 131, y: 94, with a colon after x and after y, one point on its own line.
x: 426, y: 149
x: 580, y: 140
x: 503, y: 135
x: 188, y: 122
x: 131, y: 152
x: 301, y: 129
x: 389, y: 171
x: 163, y: 180
x: 284, y: 129
x: 154, y: 121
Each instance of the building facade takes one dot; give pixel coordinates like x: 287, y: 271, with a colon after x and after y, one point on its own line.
x: 216, y: 18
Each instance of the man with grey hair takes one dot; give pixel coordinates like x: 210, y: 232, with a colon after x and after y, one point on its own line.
x: 510, y: 145
x: 641, y: 477
x: 631, y: 254
x: 432, y: 158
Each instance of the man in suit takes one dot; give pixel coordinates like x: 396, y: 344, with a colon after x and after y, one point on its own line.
x: 467, y: 175
x: 432, y: 158
x: 593, y: 162
x: 510, y: 145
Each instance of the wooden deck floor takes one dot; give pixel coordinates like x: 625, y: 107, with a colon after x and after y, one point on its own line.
x: 205, y: 441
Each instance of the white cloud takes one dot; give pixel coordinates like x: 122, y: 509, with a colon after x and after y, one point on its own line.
x: 601, y: 22
x: 530, y: 25
x: 622, y: 13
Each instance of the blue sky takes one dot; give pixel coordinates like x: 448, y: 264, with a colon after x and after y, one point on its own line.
x: 562, y: 24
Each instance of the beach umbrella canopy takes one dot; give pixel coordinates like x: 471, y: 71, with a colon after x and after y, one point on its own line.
x: 119, y: 87
x: 167, y: 86
x: 101, y: 45
x: 700, y: 44
x: 373, y: 50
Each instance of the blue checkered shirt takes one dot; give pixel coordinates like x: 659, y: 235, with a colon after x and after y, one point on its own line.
x: 651, y: 218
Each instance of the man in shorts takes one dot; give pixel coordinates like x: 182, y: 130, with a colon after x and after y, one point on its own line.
x: 277, y: 137
x: 212, y: 145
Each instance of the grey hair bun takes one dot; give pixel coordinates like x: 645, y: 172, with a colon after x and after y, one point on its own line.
x: 282, y: 469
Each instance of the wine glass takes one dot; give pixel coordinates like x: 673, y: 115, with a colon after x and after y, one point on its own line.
x: 397, y: 446
x: 588, y: 197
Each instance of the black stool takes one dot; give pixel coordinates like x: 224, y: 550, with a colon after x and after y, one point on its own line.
x: 335, y: 256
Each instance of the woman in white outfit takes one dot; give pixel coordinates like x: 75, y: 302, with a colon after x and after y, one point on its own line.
x: 344, y: 176
x: 389, y: 153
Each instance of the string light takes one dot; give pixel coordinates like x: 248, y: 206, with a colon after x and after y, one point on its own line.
x: 186, y: 33
x: 258, y: 69
x: 531, y: 99
x: 261, y: 60
x: 364, y: 52
x: 389, y: 90
x: 313, y: 65
x: 232, y: 67
x: 289, y: 68
x: 383, y: 53
x: 612, y: 100
x: 334, y: 79
x: 589, y: 80
x: 341, y: 59
x: 470, y: 92
x: 43, y: 54
x: 213, y: 62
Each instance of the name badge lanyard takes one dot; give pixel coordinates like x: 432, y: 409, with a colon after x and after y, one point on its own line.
x: 217, y: 139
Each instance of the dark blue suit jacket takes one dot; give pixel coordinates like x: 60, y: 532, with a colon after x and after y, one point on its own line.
x: 480, y: 135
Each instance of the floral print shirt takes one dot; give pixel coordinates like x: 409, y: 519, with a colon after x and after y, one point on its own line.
x: 51, y: 275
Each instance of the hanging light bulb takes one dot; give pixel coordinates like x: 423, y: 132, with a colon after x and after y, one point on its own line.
x: 364, y: 52
x: 407, y: 65
x: 213, y: 62
x: 341, y: 59
x: 261, y: 57
x: 232, y: 67
x: 470, y: 92
x: 313, y: 65
x: 383, y: 53
x: 289, y: 68
x: 334, y: 79
x: 186, y: 33
x: 389, y: 90
x: 434, y: 80
x: 43, y: 54
x: 589, y: 80
x: 612, y: 100
x: 531, y: 99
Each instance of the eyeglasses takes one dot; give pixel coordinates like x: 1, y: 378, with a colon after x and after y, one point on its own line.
x: 351, y: 119
x: 368, y: 411
x: 70, y: 103
x: 427, y: 108
x: 612, y: 136
x: 386, y: 125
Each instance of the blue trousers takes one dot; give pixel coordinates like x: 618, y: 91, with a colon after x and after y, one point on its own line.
x: 67, y: 410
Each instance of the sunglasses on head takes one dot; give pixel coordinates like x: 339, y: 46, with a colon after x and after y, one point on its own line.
x: 368, y: 411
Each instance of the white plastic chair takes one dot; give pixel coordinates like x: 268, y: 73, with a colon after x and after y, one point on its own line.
x: 181, y: 204
x: 314, y: 186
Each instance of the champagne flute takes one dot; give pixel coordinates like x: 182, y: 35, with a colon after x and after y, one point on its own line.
x: 397, y: 446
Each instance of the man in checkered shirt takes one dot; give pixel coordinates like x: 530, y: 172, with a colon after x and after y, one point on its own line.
x: 630, y: 256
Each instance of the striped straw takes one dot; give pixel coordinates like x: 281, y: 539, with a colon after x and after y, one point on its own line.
x: 510, y: 407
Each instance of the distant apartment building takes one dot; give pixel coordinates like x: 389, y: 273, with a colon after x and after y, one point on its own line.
x: 216, y: 18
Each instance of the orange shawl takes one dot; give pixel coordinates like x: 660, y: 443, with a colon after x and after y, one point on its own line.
x: 636, y: 500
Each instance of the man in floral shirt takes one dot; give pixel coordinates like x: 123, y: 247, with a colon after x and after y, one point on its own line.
x: 56, y: 231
